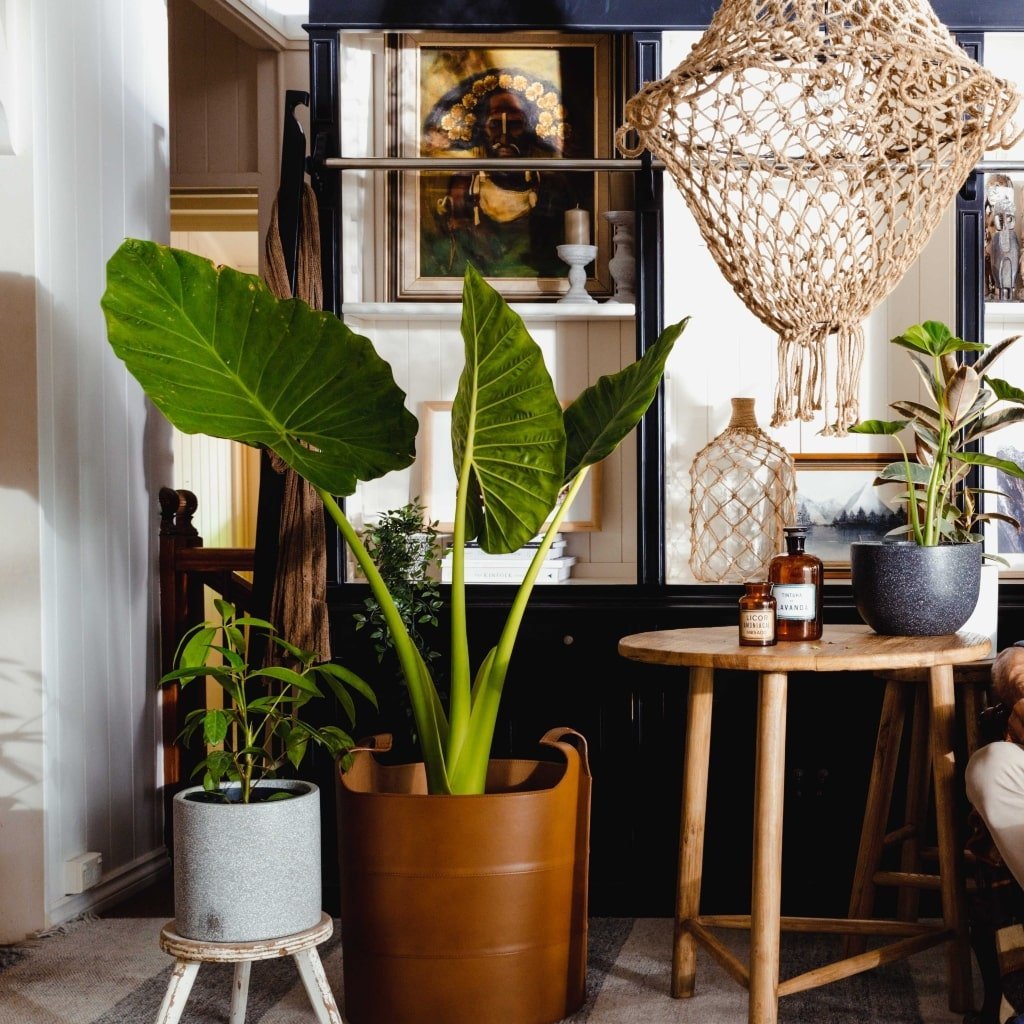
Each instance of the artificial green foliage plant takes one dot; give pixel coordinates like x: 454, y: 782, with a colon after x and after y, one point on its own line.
x: 966, y: 404
x: 405, y: 547
x: 259, y: 727
x: 219, y: 354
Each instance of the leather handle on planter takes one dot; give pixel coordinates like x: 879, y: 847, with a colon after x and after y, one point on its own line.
x: 555, y: 738
x: 378, y: 743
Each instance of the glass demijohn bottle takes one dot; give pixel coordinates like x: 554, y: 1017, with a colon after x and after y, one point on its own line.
x: 796, y: 579
x: 742, y: 494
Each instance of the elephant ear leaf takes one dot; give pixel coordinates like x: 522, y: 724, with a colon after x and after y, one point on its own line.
x: 219, y: 354
x: 506, y: 424
x: 607, y: 411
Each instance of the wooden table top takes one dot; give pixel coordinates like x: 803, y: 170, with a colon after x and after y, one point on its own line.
x: 841, y: 648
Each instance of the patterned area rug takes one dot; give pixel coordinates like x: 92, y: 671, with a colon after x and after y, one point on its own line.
x: 111, y: 971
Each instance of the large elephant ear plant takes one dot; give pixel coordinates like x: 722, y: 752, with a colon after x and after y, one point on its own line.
x: 219, y: 354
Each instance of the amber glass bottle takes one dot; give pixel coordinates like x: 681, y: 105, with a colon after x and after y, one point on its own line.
x: 796, y: 579
x: 757, y: 616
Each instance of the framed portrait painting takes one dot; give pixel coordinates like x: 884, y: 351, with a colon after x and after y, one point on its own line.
x: 838, y: 501
x: 541, y: 97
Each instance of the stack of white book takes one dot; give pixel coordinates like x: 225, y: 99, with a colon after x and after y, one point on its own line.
x: 511, y: 568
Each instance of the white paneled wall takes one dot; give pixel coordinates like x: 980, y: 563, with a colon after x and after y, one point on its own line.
x: 99, y: 135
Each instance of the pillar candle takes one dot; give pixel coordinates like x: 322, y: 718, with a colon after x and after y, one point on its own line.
x: 577, y: 227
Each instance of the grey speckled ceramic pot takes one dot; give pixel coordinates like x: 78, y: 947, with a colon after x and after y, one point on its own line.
x: 244, y: 872
x: 904, y: 589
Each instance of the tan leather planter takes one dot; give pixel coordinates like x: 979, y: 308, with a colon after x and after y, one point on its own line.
x: 463, y: 909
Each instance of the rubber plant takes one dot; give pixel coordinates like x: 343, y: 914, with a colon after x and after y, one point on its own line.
x: 218, y: 354
x: 966, y: 405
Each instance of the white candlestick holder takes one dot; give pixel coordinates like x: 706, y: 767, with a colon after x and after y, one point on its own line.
x: 577, y: 256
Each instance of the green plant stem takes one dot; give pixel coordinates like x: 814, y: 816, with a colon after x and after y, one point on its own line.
x: 460, y: 704
x: 417, y: 677
x: 915, y: 520
x: 939, y: 465
x: 469, y: 773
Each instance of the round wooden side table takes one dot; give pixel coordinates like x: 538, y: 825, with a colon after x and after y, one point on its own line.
x: 841, y: 648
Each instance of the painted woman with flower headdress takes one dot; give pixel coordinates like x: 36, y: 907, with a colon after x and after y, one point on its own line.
x: 507, y: 223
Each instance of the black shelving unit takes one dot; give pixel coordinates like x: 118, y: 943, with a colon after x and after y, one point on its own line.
x: 566, y: 670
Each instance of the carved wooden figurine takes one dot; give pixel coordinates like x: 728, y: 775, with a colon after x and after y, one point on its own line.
x: 1004, y: 256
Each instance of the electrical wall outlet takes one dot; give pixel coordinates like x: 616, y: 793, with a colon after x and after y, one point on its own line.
x: 82, y: 872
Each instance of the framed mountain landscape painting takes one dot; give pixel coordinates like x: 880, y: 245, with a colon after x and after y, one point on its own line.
x: 838, y: 501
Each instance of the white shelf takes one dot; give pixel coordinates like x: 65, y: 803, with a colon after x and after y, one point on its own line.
x: 1004, y: 310
x: 527, y: 310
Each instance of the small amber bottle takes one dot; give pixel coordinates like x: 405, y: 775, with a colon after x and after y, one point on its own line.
x: 757, y: 616
x: 796, y: 579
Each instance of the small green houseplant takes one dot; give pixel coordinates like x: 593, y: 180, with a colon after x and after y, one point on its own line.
x: 258, y: 729
x: 219, y: 354
x: 234, y: 834
x: 405, y: 548
x: 966, y: 405
x: 929, y: 583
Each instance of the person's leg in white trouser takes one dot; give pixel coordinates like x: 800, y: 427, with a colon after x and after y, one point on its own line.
x: 995, y: 787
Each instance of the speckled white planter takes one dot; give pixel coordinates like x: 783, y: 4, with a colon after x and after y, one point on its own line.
x: 244, y: 872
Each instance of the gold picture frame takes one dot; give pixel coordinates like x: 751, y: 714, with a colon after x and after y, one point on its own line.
x: 827, y: 486
x: 438, y: 481
x: 537, y: 95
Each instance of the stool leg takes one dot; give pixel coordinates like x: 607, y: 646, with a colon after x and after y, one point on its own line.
x: 950, y: 846
x: 311, y: 970
x: 876, y: 810
x: 769, y: 788
x: 240, y: 992
x: 691, y: 836
x: 178, y: 988
x: 918, y: 780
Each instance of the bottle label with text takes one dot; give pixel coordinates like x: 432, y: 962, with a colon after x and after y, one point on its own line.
x: 757, y: 624
x: 795, y: 601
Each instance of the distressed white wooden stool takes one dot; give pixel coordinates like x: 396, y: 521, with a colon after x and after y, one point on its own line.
x: 190, y: 953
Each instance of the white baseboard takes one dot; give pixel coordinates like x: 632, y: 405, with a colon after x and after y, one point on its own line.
x: 118, y: 885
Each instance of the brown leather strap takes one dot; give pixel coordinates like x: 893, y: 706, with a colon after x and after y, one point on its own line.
x: 553, y: 738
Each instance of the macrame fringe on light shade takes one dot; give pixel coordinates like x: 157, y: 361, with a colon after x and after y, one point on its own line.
x: 817, y: 144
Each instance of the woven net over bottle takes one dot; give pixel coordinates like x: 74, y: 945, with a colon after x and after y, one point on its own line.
x: 817, y: 143
x: 743, y: 493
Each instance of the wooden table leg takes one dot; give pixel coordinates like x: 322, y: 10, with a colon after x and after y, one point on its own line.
x: 942, y: 715
x: 876, y: 808
x: 178, y: 989
x: 691, y: 830
x: 240, y: 992
x: 769, y: 790
x: 311, y: 970
x: 919, y: 778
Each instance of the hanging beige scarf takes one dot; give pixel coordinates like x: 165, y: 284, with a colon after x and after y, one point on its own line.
x: 817, y: 144
x: 299, y: 603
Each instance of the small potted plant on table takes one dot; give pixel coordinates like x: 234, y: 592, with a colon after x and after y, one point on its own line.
x: 924, y: 578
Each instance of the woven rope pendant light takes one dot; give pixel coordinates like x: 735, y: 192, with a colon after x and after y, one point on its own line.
x: 817, y: 143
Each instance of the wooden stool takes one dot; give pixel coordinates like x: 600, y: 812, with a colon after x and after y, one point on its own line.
x: 901, y: 686
x: 190, y: 953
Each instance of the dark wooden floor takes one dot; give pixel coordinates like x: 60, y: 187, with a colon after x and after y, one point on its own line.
x: 156, y: 900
